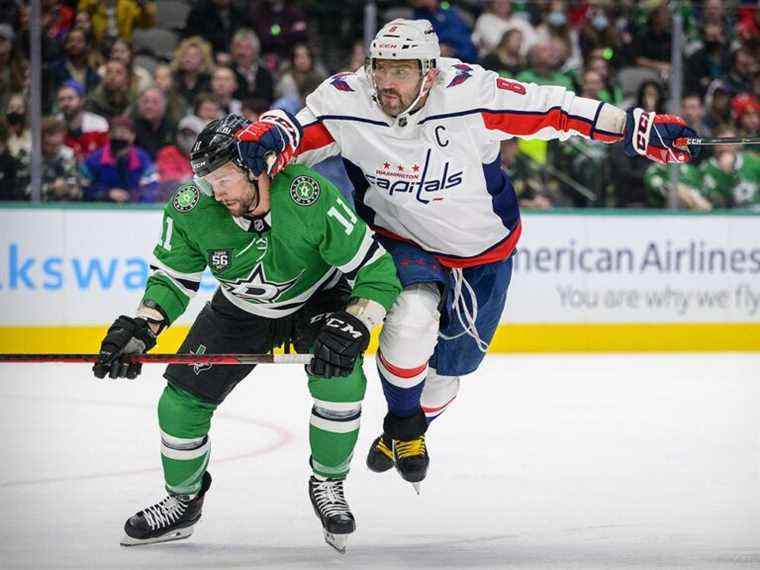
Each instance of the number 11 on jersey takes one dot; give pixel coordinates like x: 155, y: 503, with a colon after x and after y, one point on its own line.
x: 348, y: 221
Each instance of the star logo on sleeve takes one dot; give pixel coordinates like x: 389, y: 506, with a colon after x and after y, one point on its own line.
x: 256, y: 286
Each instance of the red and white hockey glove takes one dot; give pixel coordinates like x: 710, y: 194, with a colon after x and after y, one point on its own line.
x: 269, y: 144
x: 655, y: 136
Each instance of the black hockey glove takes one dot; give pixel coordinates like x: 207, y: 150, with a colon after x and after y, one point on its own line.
x: 341, y: 341
x: 126, y: 336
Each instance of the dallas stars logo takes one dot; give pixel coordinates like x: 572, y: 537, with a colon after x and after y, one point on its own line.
x: 186, y: 198
x: 198, y: 368
x: 304, y: 190
x: 256, y: 287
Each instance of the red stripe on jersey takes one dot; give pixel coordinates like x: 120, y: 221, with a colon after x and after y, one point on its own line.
x: 401, y: 372
x: 583, y: 127
x: 606, y: 137
x: 501, y: 250
x: 314, y: 136
x: 523, y: 124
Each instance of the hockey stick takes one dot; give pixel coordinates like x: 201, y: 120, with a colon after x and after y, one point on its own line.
x: 166, y: 358
x: 709, y: 141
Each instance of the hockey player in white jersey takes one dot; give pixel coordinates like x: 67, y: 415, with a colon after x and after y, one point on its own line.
x: 419, y: 136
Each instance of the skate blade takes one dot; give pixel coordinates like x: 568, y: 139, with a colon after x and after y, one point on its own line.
x: 338, y: 541
x: 179, y: 534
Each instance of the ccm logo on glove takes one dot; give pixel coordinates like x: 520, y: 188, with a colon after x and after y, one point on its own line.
x: 343, y: 326
x: 643, y: 127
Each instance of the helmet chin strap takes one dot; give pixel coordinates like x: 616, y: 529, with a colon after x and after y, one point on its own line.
x: 425, y: 86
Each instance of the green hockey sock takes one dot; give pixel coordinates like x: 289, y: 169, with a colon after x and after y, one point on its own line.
x: 185, y: 421
x: 334, y: 423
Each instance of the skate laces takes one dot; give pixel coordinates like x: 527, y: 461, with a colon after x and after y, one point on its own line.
x: 383, y: 448
x: 166, y: 512
x: 329, y: 497
x: 410, y: 448
x: 466, y: 316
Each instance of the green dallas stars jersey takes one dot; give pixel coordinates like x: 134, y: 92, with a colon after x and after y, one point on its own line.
x: 307, y: 241
x: 737, y: 189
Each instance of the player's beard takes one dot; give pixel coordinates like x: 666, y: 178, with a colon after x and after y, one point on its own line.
x: 242, y: 206
x: 395, y: 105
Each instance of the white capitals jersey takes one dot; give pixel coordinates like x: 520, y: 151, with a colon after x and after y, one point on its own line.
x: 437, y: 180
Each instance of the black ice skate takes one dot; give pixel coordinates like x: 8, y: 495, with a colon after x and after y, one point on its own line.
x: 170, y: 519
x: 411, y: 459
x: 332, y: 510
x: 380, y: 456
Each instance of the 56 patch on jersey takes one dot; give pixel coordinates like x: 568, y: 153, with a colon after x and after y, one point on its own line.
x: 219, y: 259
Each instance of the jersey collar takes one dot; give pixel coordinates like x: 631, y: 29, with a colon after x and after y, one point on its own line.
x: 259, y: 224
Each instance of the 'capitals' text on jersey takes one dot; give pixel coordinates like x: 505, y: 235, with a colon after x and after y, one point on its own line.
x: 437, y: 180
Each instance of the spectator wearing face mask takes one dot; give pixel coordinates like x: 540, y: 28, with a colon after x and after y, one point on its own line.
x: 173, y: 162
x: 120, y: 171
x: 598, y: 33
x: 19, y: 135
x: 496, y: 21
x: 555, y: 25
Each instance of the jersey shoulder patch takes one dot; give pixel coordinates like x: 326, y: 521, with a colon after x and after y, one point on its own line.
x: 185, y: 198
x: 305, y: 190
x: 340, y: 82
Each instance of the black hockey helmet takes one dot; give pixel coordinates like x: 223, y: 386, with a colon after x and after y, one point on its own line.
x: 216, y: 145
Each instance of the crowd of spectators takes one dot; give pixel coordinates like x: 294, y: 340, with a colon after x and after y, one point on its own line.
x: 128, y: 84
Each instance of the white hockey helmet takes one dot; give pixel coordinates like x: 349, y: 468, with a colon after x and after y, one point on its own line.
x: 405, y: 39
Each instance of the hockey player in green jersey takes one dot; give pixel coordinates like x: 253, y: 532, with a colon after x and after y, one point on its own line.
x: 657, y: 184
x: 731, y: 178
x: 295, y: 265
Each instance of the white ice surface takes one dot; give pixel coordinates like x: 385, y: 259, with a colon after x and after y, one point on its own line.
x: 562, y: 462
